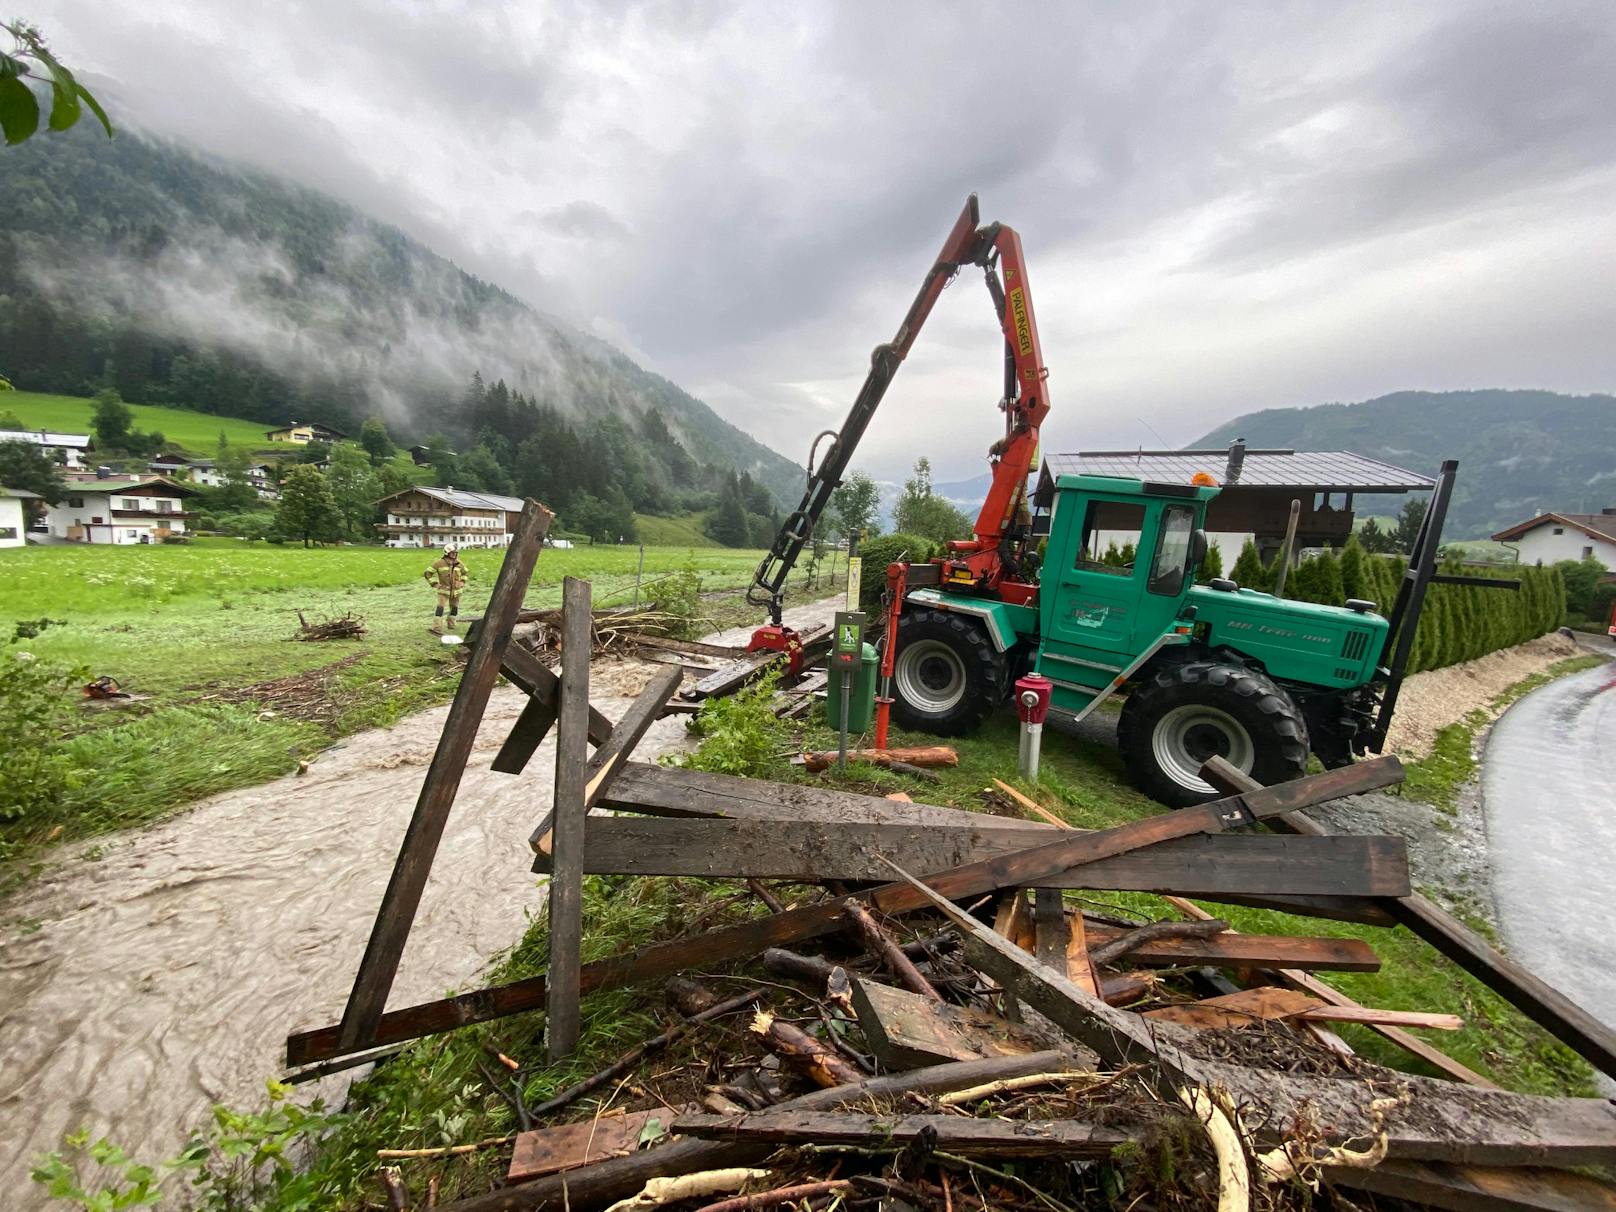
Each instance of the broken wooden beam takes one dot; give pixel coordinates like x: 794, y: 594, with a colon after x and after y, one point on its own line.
x: 1480, y: 1188
x: 567, y: 1146
x: 907, y: 1031
x: 811, y: 851
x: 536, y: 679
x: 731, y: 677
x: 379, y: 965
x: 1228, y: 949
x: 1037, y: 865
x: 1268, y: 1003
x: 561, y: 1019
x: 1530, y: 994
x: 953, y: 1133
x: 1125, y: 942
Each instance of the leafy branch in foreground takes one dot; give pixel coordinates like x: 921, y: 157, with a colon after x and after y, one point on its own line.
x: 19, y: 107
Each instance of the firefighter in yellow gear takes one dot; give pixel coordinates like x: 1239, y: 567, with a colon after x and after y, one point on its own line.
x: 448, y: 577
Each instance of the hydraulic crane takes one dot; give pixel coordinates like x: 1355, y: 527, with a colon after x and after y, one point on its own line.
x: 992, y: 560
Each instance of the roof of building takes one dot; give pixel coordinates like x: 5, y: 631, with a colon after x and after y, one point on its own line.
x: 1594, y: 525
x: 45, y: 437
x: 1319, y: 470
x: 314, y: 425
x: 19, y: 493
x: 463, y: 499
x: 80, y: 484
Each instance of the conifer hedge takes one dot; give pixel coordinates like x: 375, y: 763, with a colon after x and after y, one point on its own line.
x: 1459, y: 622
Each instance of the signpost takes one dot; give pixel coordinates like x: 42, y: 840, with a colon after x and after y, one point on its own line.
x: 855, y: 569
x: 846, y: 653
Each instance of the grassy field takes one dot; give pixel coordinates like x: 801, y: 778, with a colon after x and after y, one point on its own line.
x: 683, y: 530
x: 206, y: 632
x: 197, y: 432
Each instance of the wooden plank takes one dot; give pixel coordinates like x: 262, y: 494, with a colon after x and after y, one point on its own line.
x: 1038, y: 866
x: 1241, y: 1009
x: 907, y: 1030
x: 526, y: 735
x: 674, y: 791
x: 1232, y: 950
x: 1051, y: 933
x: 1481, y: 1188
x: 1392, y: 1018
x: 379, y: 964
x: 613, y: 753
x: 549, y: 1150
x: 620, y: 1177
x: 1291, y: 973
x: 1530, y: 994
x: 539, y: 681
x: 1079, y: 968
x: 731, y: 677
x: 1438, y: 1121
x: 954, y: 1133
x: 817, y: 850
x: 561, y: 1020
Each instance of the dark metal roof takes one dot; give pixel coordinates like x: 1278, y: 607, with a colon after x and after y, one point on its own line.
x: 1319, y: 470
x: 462, y: 499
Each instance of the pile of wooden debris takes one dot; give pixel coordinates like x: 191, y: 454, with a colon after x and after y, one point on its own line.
x: 967, y: 1040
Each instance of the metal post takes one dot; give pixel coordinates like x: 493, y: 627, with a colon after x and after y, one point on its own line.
x: 841, y: 733
x: 1287, y: 549
x: 638, y: 572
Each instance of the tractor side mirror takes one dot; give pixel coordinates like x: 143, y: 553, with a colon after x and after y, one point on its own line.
x: 1197, y: 547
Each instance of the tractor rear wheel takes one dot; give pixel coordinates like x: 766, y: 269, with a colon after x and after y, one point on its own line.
x: 1184, y: 714
x: 947, y: 676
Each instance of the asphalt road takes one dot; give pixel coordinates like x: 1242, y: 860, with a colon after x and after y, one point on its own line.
x: 1547, y: 783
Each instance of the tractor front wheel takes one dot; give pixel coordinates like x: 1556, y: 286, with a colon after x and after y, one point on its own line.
x: 947, y: 676
x: 1184, y: 714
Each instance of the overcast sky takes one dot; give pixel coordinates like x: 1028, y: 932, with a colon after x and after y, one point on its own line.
x: 1225, y: 206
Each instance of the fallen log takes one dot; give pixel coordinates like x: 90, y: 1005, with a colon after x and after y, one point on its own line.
x: 925, y: 757
x: 1154, y: 932
x: 957, y: 1134
x: 821, y: 1064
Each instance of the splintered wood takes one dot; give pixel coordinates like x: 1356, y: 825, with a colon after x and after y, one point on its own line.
x: 883, y: 1020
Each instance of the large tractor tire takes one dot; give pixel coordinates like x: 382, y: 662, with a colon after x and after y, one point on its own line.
x: 1184, y: 714
x: 947, y: 676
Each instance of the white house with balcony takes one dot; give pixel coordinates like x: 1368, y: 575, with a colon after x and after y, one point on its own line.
x: 1552, y: 537
x: 68, y: 449
x: 119, y: 509
x: 443, y: 517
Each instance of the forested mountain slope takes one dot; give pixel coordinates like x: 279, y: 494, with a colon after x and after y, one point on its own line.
x: 180, y: 279
x: 1520, y: 452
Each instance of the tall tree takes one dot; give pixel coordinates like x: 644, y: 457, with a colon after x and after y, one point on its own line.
x: 377, y: 442
x: 1408, y: 525
x: 114, y: 421
x: 307, y: 509
x: 23, y: 465
x: 854, y: 506
x: 355, y: 488
x: 921, y: 511
x: 728, y: 525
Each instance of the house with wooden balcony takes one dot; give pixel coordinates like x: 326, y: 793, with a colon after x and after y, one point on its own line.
x: 104, y: 508
x: 443, y: 517
x: 302, y: 433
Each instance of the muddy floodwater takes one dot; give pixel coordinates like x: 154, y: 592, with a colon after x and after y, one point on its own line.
x: 1551, y: 832
x: 154, y: 973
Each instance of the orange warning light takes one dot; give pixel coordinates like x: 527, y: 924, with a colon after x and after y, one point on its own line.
x: 1203, y: 479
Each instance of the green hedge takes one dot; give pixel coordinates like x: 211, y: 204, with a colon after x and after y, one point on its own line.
x: 1459, y: 622
x: 882, y: 550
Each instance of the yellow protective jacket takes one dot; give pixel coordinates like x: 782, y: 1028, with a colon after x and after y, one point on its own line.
x: 446, y: 577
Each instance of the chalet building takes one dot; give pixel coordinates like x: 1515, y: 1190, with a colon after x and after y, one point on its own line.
x: 302, y: 434
x: 1258, y: 487
x: 68, y: 449
x: 1552, y: 537
x: 104, y: 508
x: 442, y: 517
x: 179, y: 467
x: 14, y: 515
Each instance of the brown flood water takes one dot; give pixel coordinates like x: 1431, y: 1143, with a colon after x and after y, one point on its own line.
x: 140, y: 988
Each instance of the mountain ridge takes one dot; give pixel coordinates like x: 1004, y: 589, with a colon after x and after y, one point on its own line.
x: 146, y: 265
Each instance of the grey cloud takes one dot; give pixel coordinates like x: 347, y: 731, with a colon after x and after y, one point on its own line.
x: 582, y: 220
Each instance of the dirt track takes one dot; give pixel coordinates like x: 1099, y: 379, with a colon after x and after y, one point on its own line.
x: 143, y: 986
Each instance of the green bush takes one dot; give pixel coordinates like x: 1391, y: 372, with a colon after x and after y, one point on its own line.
x: 35, y: 702
x: 740, y: 734
x: 886, y: 549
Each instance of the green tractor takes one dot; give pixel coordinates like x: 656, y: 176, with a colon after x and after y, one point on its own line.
x: 1206, y: 669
